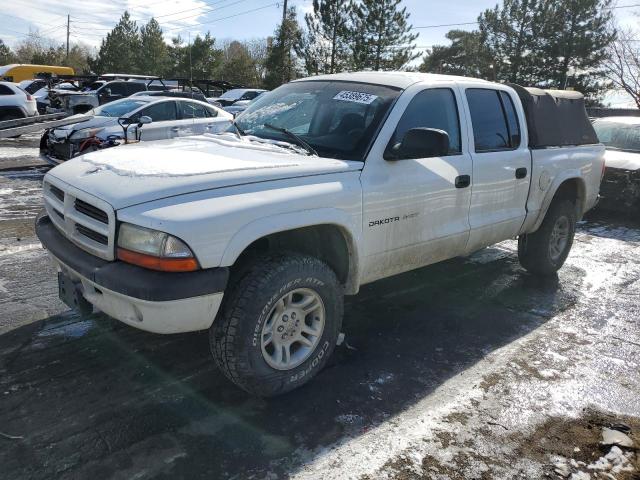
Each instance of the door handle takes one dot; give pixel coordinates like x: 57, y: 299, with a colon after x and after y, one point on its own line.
x: 463, y: 181
x: 521, y: 172
x: 175, y: 129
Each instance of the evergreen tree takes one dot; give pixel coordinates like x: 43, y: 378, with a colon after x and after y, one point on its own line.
x: 6, y: 55
x: 382, y: 36
x: 281, y: 62
x: 153, y: 58
x: 467, y: 56
x: 326, y: 46
x: 513, y: 34
x: 119, y: 51
x: 576, y: 38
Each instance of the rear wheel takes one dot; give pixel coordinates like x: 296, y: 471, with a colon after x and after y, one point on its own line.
x: 545, y: 251
x: 279, y: 324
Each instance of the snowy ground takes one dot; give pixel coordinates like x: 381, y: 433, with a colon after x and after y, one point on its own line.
x: 467, y: 369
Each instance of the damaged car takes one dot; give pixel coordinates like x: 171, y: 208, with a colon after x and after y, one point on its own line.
x: 140, y: 118
x: 620, y: 188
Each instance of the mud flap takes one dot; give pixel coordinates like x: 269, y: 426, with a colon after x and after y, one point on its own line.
x: 70, y: 293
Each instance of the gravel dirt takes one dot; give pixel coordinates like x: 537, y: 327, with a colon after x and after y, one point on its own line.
x: 467, y: 369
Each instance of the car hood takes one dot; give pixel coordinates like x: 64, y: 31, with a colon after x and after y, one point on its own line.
x: 94, y: 122
x: 622, y: 160
x: 134, y: 174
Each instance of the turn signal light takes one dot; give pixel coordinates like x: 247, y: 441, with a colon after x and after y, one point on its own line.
x: 162, y: 264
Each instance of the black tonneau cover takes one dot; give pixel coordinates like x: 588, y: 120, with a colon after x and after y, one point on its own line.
x: 555, y: 118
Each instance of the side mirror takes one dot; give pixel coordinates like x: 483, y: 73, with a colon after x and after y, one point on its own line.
x: 420, y: 143
x: 145, y: 119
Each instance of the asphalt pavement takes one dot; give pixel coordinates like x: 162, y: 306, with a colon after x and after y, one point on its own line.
x: 467, y: 369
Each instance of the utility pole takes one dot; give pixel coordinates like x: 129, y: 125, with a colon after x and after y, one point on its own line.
x: 284, y: 43
x: 68, y: 25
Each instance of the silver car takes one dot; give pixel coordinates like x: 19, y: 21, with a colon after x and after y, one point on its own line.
x: 145, y: 118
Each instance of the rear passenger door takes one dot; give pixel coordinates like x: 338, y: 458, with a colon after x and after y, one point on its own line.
x: 198, y: 119
x: 501, y: 166
x: 164, y: 121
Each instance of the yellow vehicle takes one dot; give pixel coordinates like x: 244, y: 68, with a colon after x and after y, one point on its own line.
x: 19, y: 72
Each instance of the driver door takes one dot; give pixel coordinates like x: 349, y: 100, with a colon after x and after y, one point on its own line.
x: 416, y: 211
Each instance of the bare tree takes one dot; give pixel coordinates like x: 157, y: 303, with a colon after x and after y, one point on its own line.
x: 623, y: 65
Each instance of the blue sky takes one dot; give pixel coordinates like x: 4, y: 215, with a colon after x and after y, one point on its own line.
x: 91, y: 19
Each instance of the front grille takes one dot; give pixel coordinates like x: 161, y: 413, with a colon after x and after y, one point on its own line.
x: 91, y: 211
x: 84, y: 219
x: 59, y: 194
x: 93, y: 235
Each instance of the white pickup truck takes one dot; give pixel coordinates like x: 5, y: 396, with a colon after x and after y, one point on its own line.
x: 320, y: 186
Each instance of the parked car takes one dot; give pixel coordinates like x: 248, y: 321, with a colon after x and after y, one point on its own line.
x: 620, y: 188
x: 240, y: 106
x: 170, y: 117
x: 230, y: 97
x: 40, y: 91
x: 81, y: 102
x: 15, y: 102
x: 320, y: 187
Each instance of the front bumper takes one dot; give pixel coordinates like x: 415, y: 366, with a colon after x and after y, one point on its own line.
x: 159, y: 302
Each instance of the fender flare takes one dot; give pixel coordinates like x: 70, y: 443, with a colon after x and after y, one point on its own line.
x: 553, y: 189
x: 265, y: 226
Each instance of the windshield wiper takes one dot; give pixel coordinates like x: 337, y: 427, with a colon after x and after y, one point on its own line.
x: 293, y: 137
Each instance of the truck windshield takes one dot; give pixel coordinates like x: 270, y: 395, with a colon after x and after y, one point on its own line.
x: 622, y: 136
x: 338, y: 119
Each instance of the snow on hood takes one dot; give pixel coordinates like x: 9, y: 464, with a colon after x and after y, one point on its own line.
x: 94, y: 122
x: 623, y: 160
x: 132, y: 174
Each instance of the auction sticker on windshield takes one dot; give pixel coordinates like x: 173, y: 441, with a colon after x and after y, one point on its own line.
x: 357, y: 97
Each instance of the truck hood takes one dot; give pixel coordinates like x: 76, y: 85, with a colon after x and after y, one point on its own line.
x: 133, y: 174
x: 621, y: 159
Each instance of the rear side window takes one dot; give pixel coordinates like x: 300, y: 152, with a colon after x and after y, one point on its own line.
x: 432, y: 108
x: 160, y: 112
x: 193, y: 110
x: 494, y: 120
x: 4, y: 90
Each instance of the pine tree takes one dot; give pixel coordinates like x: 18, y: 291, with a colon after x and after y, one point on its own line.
x: 120, y: 49
x: 326, y: 46
x: 382, y: 38
x: 153, y: 58
x: 281, y: 62
x: 576, y: 36
x: 6, y: 55
x: 467, y: 56
x: 513, y: 34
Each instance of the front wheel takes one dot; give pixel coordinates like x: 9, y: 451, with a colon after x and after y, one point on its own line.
x: 545, y: 251
x: 279, y: 324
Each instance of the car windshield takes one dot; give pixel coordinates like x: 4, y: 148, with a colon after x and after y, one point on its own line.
x: 622, y: 136
x: 338, y: 119
x: 119, y: 108
x: 232, y: 94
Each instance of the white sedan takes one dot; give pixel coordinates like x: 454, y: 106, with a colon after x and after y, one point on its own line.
x: 147, y: 117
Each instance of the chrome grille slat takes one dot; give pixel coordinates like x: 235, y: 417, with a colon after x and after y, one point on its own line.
x: 85, y: 220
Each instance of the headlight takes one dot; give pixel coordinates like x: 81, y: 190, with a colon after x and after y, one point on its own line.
x: 85, y: 133
x: 154, y: 250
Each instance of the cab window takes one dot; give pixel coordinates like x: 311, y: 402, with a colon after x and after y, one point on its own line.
x: 432, y: 108
x: 494, y: 120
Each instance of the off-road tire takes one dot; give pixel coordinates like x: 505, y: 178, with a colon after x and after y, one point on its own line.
x: 235, y: 336
x: 534, y: 248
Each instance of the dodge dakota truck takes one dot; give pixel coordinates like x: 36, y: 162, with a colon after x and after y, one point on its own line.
x: 321, y: 186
